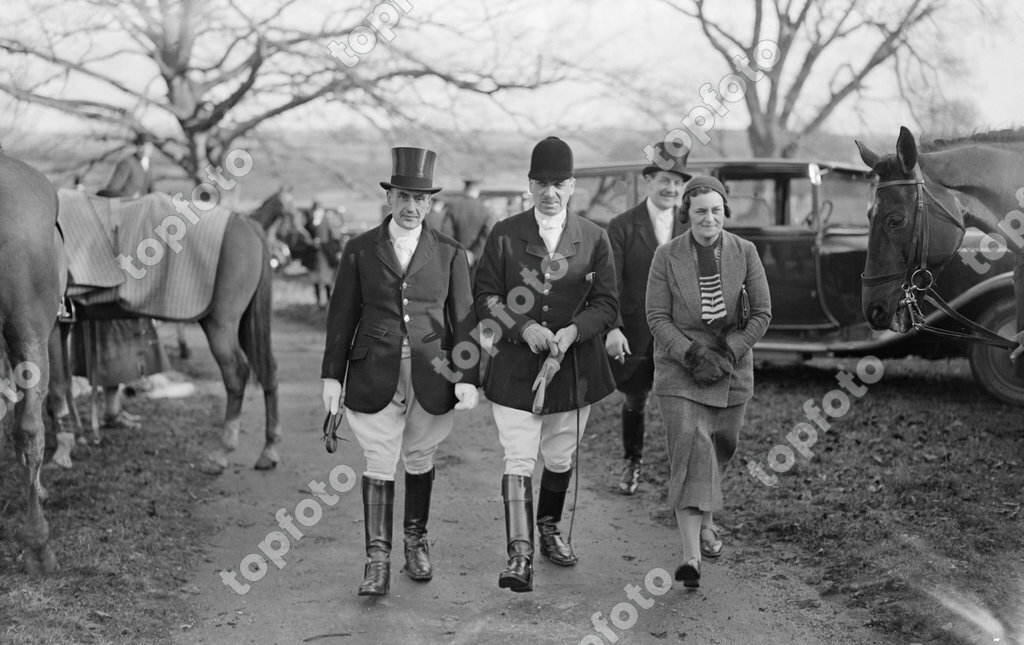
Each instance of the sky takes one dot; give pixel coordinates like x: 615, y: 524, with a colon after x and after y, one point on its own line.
x: 645, y: 39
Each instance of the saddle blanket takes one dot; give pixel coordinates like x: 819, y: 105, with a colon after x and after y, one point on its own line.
x: 141, y: 253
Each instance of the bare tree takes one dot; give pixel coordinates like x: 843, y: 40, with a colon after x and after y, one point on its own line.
x: 217, y: 70
x: 805, y: 58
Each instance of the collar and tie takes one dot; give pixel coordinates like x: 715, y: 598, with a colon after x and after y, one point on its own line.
x: 662, y: 221
x: 550, y: 228
x: 404, y: 242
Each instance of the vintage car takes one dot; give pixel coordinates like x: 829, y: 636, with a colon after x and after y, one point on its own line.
x: 809, y: 222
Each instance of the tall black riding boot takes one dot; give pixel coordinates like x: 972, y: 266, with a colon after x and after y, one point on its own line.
x: 549, y: 513
x: 417, y: 510
x: 517, y: 491
x: 633, y: 448
x: 378, y: 508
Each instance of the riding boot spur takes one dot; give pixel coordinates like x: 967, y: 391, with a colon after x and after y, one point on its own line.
x: 417, y: 511
x: 553, y: 487
x: 378, y: 509
x: 517, y: 491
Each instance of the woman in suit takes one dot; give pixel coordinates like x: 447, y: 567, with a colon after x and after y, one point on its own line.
x: 699, y: 287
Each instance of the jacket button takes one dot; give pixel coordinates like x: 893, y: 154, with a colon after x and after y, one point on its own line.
x: 405, y: 301
x: 547, y: 275
x: 544, y: 308
x: 405, y: 284
x: 546, y: 291
x: 406, y: 318
x: 545, y: 323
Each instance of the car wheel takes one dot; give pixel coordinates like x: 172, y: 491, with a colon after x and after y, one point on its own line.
x: 992, y: 366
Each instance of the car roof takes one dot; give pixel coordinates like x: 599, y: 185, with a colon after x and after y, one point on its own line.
x: 778, y: 165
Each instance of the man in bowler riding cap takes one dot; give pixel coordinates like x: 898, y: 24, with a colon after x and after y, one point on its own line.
x: 402, y: 302
x: 634, y: 235
x: 544, y: 286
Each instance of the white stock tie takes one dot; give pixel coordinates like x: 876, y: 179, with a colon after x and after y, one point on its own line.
x: 404, y: 248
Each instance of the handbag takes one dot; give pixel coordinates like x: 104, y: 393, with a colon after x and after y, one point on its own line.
x: 743, y: 308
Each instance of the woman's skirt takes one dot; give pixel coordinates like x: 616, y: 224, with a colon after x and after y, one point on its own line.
x: 701, y: 442
x: 122, y: 350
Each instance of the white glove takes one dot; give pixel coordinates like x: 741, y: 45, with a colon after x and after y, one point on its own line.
x: 467, y: 396
x: 332, y: 395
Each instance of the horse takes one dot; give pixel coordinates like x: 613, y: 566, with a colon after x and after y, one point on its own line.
x: 925, y: 200
x: 272, y: 208
x: 31, y: 259
x: 237, y: 327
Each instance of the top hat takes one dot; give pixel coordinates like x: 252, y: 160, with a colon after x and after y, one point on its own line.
x: 662, y: 155
x: 412, y: 169
x: 551, y: 161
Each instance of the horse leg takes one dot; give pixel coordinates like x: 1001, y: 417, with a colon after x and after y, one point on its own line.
x: 234, y: 369
x: 59, y: 399
x: 31, y: 375
x: 183, y: 350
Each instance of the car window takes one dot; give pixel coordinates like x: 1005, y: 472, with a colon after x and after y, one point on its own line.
x: 845, y: 199
x: 601, y: 197
x: 750, y: 201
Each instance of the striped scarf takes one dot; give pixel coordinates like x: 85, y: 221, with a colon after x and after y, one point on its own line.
x: 712, y: 304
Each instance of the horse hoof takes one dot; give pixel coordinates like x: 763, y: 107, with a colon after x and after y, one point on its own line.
x: 213, y: 465
x: 40, y: 564
x: 266, y: 463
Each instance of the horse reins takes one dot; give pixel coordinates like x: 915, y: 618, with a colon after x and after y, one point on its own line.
x: 921, y: 279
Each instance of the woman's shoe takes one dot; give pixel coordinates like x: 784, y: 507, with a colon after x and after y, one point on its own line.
x: 689, y: 573
x: 710, y: 547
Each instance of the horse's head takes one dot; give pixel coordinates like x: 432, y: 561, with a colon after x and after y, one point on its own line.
x: 915, y: 228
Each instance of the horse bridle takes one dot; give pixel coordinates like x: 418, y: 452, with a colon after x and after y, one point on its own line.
x: 921, y: 279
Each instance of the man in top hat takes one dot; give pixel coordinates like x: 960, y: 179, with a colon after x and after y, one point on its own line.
x: 402, y: 301
x: 545, y: 286
x: 469, y: 220
x: 634, y: 235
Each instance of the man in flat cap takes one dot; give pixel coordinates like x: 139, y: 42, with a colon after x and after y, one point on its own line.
x: 634, y: 235
x: 402, y: 301
x: 545, y: 286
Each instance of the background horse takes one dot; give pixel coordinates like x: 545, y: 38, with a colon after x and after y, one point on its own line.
x: 924, y: 200
x: 237, y: 326
x: 33, y: 276
x: 270, y: 211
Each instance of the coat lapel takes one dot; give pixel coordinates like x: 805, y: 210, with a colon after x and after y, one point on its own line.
x: 529, y: 232
x: 685, y: 273
x: 424, y: 251
x: 644, y: 227
x: 733, y: 271
x: 385, y: 250
x: 572, y: 235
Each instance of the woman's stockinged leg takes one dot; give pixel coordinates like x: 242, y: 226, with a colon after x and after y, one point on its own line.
x: 689, y: 520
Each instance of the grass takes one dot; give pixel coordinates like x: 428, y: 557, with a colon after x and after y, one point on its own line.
x: 127, y: 534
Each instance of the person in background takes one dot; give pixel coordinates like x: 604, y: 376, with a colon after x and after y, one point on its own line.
x: 123, y: 350
x: 707, y: 304
x: 403, y: 301
x: 469, y: 220
x: 634, y: 235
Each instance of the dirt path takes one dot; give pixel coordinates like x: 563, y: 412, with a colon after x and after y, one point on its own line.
x: 747, y: 597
